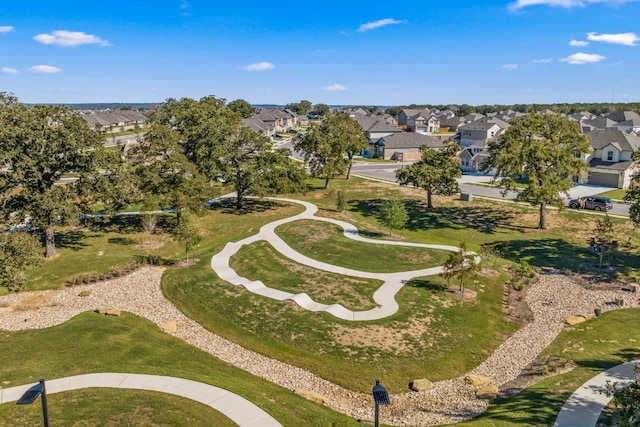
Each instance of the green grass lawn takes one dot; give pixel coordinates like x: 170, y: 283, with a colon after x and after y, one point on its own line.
x: 434, y: 335
x: 92, y: 343
x: 260, y: 261
x: 594, y: 346
x: 617, y: 194
x: 327, y: 243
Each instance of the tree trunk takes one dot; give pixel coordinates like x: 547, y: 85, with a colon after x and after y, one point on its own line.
x: 542, y: 225
x: 349, y: 167
x: 186, y: 251
x: 50, y: 243
x: 429, y: 204
x: 326, y: 183
x: 239, y: 200
x: 462, y: 287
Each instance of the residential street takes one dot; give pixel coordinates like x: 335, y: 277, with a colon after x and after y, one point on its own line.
x: 469, y: 183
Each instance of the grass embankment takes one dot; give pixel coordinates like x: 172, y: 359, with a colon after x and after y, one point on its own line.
x: 92, y: 343
x: 593, y: 346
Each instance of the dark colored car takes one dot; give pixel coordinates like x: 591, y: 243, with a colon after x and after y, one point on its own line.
x: 596, y: 203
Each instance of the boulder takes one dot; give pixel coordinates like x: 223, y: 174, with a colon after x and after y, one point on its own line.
x: 108, y: 311
x: 477, y: 380
x: 421, y: 385
x: 574, y: 320
x: 84, y: 293
x: 169, y: 327
x: 489, y: 392
x: 312, y: 396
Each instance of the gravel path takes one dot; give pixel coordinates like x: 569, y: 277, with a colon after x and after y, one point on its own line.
x: 551, y: 299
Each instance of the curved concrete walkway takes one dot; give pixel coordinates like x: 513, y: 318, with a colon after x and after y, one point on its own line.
x: 238, y: 409
x: 384, y: 297
x: 584, y: 406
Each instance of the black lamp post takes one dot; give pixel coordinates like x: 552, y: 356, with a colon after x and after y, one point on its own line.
x: 380, y: 397
x: 32, y: 394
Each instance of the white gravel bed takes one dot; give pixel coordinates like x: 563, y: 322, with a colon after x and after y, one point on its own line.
x: 552, y: 298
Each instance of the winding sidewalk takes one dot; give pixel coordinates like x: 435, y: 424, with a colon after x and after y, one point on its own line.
x: 384, y: 297
x: 584, y: 406
x: 237, y: 408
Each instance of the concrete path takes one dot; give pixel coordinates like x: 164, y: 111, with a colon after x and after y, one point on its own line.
x: 237, y: 408
x: 584, y: 406
x: 384, y: 297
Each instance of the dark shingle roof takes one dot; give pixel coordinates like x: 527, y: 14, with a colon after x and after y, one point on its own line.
x: 626, y: 141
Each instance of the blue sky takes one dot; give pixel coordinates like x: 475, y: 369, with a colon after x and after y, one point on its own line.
x: 333, y: 52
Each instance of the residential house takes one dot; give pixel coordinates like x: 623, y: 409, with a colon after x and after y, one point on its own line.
x: 474, y: 138
x: 259, y: 126
x: 114, y: 120
x: 280, y: 120
x: 631, y: 125
x: 611, y: 164
x: 420, y: 121
x: 405, y: 146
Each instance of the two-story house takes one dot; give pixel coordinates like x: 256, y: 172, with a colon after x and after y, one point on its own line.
x: 419, y: 120
x: 611, y: 163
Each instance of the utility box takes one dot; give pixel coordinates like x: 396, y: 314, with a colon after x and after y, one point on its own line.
x: 467, y: 197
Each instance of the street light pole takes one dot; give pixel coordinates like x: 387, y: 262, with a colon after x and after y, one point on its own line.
x: 380, y: 397
x: 32, y: 394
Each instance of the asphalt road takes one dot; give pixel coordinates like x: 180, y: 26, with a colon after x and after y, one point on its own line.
x: 469, y: 184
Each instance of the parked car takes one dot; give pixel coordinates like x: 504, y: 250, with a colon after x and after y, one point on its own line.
x: 292, y: 131
x: 597, y: 203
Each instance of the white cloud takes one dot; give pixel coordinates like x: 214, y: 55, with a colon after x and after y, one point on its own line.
x: 578, y: 43
x: 7, y: 70
x: 258, y: 66
x: 542, y: 60
x: 627, y: 39
x: 334, y: 87
x: 583, y: 58
x: 519, y: 4
x: 44, y: 69
x: 6, y: 29
x: 380, y: 23
x: 510, y: 66
x: 69, y: 38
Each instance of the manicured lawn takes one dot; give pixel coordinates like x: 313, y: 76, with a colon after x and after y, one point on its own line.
x: 594, y: 346
x: 109, y: 407
x: 326, y: 242
x: 95, y: 343
x: 260, y: 261
x: 617, y: 194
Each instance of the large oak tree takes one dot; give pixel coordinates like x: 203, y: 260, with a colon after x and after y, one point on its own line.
x: 213, y: 139
x: 329, y: 148
x: 545, y: 150
x: 436, y: 172
x: 39, y: 145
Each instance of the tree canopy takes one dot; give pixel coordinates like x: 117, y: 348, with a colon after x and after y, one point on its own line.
x: 436, y: 172
x: 212, y: 137
x: 544, y: 150
x: 242, y: 107
x: 39, y: 145
x: 329, y: 147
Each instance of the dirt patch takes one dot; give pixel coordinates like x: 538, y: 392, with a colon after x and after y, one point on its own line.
x: 514, y: 307
x: 488, y: 272
x: 184, y: 263
x: 149, y: 245
x: 399, y: 340
x: 33, y: 302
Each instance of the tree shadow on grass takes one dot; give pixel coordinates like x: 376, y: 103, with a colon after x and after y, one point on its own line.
x: 250, y: 205
x: 121, y: 240
x: 74, y: 240
x: 555, y: 253
x: 483, y: 219
x: 426, y: 284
